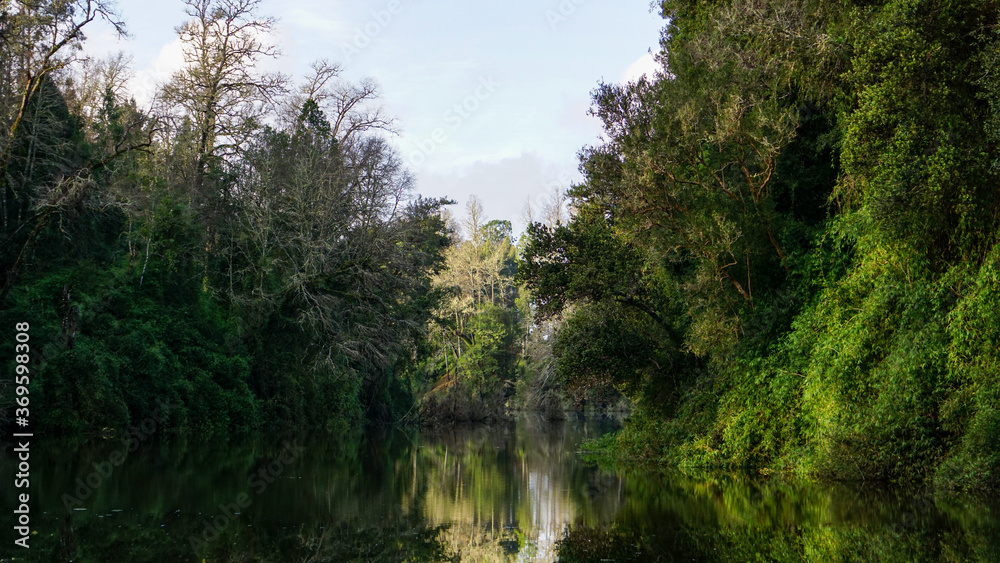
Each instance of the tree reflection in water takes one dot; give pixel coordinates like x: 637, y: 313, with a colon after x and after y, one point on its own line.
x: 518, y: 493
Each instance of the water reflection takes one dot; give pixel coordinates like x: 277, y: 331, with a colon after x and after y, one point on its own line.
x: 484, y: 494
x: 732, y: 519
x: 509, y: 495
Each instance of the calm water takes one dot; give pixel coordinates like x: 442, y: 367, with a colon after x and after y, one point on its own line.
x: 488, y: 494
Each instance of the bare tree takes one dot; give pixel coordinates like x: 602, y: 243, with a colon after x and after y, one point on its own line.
x: 350, y: 107
x: 353, y: 114
x: 95, y: 79
x: 475, y: 217
x: 323, y: 230
x: 554, y: 211
x: 219, y: 89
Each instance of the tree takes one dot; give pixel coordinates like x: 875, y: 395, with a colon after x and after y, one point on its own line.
x: 585, y: 262
x: 48, y: 164
x: 39, y: 39
x: 351, y: 106
x: 219, y: 89
x: 325, y: 247
x: 94, y: 81
x: 476, y: 334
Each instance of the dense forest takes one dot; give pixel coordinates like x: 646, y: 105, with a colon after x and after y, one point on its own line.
x: 786, y: 251
x: 783, y: 255
x: 247, y: 252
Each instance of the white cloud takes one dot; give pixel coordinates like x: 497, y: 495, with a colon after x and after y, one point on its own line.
x: 147, y: 80
x: 645, y: 65
x: 103, y: 42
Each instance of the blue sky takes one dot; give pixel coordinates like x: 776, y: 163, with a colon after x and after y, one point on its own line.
x: 490, y: 98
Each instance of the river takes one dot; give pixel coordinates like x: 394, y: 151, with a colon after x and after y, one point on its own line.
x: 514, y: 493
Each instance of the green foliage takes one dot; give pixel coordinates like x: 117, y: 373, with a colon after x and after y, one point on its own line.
x: 913, y: 150
x: 807, y: 200
x: 585, y: 261
x: 969, y: 410
x: 475, y: 346
x: 120, y: 353
x: 599, y: 342
x: 247, y: 276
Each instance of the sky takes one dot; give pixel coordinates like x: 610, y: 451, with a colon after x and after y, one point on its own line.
x: 490, y: 98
